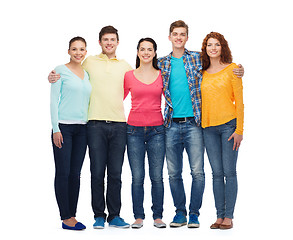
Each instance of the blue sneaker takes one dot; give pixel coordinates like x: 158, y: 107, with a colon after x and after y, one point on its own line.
x: 193, y: 221
x: 179, y: 220
x: 99, y: 223
x: 118, y: 222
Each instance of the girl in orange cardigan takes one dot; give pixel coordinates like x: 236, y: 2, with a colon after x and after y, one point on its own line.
x: 222, y: 122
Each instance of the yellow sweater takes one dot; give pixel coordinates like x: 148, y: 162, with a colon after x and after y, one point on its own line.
x: 107, y: 79
x: 222, y: 98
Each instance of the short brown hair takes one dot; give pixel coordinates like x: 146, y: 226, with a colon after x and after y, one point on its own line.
x: 108, y: 29
x: 178, y: 24
x: 226, y: 56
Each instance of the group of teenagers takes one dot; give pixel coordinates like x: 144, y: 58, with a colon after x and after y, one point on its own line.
x: 203, y: 110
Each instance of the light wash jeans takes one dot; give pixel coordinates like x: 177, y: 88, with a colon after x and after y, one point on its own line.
x: 223, y: 160
x: 150, y: 140
x: 186, y: 136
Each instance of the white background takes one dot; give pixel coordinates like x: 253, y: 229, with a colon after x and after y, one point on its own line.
x: 34, y: 39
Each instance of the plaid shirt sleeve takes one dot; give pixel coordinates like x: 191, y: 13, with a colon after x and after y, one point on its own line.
x: 193, y: 70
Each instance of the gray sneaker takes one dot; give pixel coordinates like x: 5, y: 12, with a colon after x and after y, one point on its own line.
x: 160, y: 225
x: 137, y: 225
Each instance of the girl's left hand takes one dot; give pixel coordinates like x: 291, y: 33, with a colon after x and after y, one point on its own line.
x: 237, y: 140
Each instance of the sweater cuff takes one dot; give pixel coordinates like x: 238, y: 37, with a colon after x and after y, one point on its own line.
x: 239, y: 132
x: 56, y: 128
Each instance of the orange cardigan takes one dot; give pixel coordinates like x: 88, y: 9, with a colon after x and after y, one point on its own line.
x: 222, y: 98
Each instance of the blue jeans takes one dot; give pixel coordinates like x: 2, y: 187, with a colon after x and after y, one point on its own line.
x: 150, y: 140
x: 186, y: 136
x: 223, y: 160
x: 106, y: 141
x: 68, y: 164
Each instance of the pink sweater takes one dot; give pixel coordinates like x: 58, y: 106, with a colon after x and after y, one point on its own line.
x: 145, y: 101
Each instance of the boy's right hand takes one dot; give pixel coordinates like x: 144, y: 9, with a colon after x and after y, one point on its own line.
x: 53, y: 77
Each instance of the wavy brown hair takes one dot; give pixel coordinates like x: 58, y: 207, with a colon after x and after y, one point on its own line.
x: 226, y: 56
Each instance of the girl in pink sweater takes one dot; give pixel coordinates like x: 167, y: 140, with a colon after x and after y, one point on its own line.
x: 145, y: 130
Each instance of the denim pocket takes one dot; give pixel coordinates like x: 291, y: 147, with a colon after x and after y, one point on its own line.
x: 63, y: 125
x: 159, y: 129
x: 231, y: 123
x: 90, y: 123
x: 191, y: 122
x: 130, y: 130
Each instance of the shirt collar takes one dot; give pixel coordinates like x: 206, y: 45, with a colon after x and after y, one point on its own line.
x: 185, y: 52
x: 105, y: 57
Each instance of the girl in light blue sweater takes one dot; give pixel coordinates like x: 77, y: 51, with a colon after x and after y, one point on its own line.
x: 69, y: 107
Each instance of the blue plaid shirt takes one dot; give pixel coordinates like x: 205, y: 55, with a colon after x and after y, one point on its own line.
x: 193, y: 68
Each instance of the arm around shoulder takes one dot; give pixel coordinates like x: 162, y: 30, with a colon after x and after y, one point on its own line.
x: 53, y: 76
x: 54, y: 102
x: 239, y: 72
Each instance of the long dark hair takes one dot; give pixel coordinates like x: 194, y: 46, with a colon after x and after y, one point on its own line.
x: 155, y: 59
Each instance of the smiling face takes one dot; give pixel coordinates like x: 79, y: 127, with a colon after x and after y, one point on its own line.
x: 109, y: 43
x: 77, y: 51
x: 146, y: 52
x: 178, y: 37
x: 213, y: 48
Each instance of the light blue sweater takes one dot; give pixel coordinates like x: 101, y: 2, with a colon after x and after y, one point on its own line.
x: 70, y: 97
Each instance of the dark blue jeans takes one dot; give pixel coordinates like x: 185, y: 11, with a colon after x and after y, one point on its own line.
x: 106, y: 143
x: 68, y: 163
x: 150, y: 140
